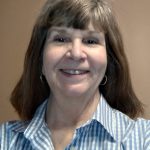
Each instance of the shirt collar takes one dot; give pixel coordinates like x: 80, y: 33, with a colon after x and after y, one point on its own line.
x: 38, y: 131
x: 117, y: 124
x: 38, y: 121
x: 109, y: 118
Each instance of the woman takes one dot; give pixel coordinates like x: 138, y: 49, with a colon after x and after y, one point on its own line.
x: 75, y: 91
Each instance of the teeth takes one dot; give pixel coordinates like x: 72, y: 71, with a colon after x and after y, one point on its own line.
x: 74, y: 72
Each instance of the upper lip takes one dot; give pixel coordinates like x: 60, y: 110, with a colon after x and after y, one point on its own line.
x: 74, y: 68
x: 79, y: 69
x: 74, y: 71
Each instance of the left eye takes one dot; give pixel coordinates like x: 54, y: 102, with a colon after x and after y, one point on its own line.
x: 90, y: 41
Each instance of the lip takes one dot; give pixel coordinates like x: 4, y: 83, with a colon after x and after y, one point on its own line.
x: 68, y: 75
x: 74, y: 71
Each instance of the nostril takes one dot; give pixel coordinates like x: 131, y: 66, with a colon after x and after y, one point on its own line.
x: 76, y: 56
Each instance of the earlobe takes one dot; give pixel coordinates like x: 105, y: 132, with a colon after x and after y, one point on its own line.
x: 43, y: 71
x: 42, y: 74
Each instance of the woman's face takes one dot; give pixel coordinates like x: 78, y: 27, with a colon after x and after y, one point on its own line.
x: 74, y: 60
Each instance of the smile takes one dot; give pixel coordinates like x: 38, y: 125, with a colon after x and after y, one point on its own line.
x: 74, y: 71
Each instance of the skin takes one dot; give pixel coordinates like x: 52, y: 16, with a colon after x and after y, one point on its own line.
x: 74, y: 64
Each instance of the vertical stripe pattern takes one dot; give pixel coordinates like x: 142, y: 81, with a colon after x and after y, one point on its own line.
x: 108, y: 129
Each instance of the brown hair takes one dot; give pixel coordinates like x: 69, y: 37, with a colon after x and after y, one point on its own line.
x: 30, y: 91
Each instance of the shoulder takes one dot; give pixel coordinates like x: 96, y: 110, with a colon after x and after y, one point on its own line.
x: 9, y: 130
x: 141, y: 132
x: 137, y: 125
x: 13, y: 126
x: 137, y: 132
x: 126, y: 120
x: 144, y: 125
x: 131, y: 131
x: 142, y: 122
x: 125, y: 130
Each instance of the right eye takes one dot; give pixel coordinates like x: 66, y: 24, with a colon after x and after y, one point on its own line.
x: 61, y: 39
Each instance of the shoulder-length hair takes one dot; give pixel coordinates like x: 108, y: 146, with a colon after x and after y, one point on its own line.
x: 30, y: 91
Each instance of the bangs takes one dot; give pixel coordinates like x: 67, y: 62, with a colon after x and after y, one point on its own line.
x: 78, y: 14
x: 68, y: 16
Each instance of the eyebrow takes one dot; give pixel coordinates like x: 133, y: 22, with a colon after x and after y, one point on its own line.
x: 61, y: 30
x: 64, y: 30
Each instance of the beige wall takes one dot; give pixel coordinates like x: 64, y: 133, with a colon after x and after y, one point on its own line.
x: 16, y: 21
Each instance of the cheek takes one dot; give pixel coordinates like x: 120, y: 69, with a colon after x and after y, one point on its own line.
x: 48, y: 60
x: 51, y: 57
x: 99, y: 59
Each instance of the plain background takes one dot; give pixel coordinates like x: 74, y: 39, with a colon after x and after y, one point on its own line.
x: 16, y: 22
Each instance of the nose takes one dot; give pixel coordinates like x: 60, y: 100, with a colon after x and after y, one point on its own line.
x: 76, y: 50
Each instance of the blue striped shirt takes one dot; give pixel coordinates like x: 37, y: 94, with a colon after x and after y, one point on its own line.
x: 108, y: 129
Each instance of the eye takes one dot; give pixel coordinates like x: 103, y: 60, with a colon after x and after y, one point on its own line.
x: 61, y: 39
x: 90, y: 41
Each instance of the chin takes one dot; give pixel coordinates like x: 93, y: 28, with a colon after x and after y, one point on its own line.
x: 75, y: 91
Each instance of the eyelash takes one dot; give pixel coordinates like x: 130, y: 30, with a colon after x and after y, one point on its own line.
x: 88, y: 41
x: 61, y: 39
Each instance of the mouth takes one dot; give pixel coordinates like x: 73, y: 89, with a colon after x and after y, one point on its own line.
x: 74, y: 71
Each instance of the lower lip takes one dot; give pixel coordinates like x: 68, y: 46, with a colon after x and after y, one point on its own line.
x: 74, y: 77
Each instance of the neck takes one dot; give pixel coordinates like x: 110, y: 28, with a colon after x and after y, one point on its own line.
x: 70, y: 112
